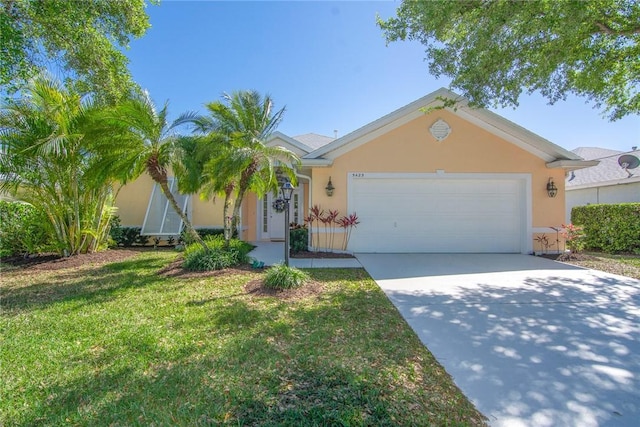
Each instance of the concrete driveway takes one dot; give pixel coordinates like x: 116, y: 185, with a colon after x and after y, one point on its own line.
x: 530, y: 341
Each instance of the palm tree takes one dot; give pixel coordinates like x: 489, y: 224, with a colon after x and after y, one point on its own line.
x: 47, y: 161
x: 143, y: 141
x: 205, y: 174
x: 241, y: 125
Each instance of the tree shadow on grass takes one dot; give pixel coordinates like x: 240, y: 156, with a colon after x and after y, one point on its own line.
x: 95, y: 284
x: 326, y: 362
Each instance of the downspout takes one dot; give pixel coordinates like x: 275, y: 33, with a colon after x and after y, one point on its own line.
x: 309, y: 207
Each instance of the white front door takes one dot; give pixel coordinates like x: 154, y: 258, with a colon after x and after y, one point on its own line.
x: 272, y: 221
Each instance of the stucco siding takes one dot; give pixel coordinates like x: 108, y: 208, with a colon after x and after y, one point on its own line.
x: 410, y: 148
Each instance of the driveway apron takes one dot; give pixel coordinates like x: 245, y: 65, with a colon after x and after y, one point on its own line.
x: 530, y: 341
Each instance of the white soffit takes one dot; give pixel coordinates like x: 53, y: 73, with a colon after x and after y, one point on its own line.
x: 572, y: 165
x: 514, y: 133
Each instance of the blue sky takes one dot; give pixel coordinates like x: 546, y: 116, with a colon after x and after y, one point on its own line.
x: 327, y: 62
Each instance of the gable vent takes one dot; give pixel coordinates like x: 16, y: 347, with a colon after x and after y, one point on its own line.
x: 440, y: 129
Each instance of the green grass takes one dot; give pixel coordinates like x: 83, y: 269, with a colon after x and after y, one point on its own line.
x: 122, y: 345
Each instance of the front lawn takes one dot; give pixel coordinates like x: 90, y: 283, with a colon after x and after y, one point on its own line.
x: 121, y: 344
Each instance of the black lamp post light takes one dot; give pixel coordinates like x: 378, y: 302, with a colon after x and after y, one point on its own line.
x: 287, y: 192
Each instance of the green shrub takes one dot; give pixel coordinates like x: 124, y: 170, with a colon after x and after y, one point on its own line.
x: 196, y: 258
x: 123, y: 236
x: 299, y: 239
x: 610, y: 228
x: 141, y: 240
x: 24, y: 230
x: 282, y: 277
x: 204, y: 233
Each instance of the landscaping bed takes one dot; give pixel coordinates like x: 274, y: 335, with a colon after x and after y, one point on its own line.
x: 623, y: 265
x: 46, y: 262
x: 320, y: 254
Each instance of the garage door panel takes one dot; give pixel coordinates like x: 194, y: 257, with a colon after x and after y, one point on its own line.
x: 437, y: 215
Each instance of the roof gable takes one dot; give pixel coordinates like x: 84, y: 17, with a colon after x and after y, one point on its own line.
x: 279, y: 139
x: 483, y: 118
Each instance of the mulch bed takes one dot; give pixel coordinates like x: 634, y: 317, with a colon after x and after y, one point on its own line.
x: 319, y: 254
x: 567, y: 257
x: 51, y: 262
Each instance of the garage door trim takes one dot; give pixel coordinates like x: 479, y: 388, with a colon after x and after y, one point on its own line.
x: 523, y: 179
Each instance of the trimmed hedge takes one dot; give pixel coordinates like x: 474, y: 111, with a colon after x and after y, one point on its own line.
x: 610, y: 228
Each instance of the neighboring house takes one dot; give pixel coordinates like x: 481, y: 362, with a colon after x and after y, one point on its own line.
x: 420, y: 180
x: 607, y: 182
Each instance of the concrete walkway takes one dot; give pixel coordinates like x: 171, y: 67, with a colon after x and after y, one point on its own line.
x: 530, y: 341
x: 273, y: 253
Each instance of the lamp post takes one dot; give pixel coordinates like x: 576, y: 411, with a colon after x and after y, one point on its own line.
x: 287, y: 192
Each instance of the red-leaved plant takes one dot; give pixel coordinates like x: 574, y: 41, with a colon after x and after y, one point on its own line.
x: 348, y: 223
x: 573, y: 237
x: 315, y: 213
x: 330, y: 221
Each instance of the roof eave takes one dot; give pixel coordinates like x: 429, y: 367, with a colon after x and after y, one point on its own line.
x: 317, y: 163
x: 371, y: 127
x: 289, y: 140
x: 571, y: 165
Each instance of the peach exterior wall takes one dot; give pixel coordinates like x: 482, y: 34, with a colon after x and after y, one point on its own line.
x: 133, y: 198
x: 468, y: 149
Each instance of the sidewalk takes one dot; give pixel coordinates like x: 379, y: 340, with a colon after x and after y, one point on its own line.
x: 273, y: 253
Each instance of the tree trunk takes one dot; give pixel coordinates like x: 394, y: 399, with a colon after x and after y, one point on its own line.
x: 228, y: 226
x: 172, y: 201
x: 159, y: 174
x: 237, y: 205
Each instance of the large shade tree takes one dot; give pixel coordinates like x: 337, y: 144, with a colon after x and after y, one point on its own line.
x: 239, y: 127
x: 135, y: 138
x: 81, y: 38
x: 493, y: 50
x: 48, y: 161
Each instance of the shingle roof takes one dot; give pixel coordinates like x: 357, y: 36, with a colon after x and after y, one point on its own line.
x: 607, y: 170
x: 593, y: 153
x: 313, y: 140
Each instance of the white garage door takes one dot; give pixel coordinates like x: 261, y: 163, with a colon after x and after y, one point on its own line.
x: 466, y: 213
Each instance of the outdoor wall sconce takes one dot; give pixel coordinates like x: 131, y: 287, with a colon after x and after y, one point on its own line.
x: 329, y: 188
x: 552, y: 190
